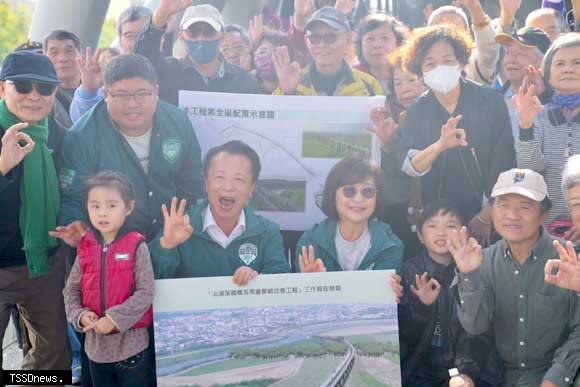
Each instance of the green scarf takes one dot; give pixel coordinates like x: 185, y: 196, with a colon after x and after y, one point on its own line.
x: 39, y: 195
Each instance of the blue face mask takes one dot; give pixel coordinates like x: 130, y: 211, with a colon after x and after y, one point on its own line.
x: 203, y: 51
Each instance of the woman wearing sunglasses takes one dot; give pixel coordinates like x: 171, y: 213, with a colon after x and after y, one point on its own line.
x: 350, y: 238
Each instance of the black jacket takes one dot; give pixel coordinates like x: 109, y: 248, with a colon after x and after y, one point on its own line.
x: 425, y: 361
x: 179, y: 74
x: 11, y: 252
x: 462, y: 174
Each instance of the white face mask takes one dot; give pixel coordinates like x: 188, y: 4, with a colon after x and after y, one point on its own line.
x: 442, y: 79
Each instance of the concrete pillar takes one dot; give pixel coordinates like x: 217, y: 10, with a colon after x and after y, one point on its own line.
x: 83, y: 17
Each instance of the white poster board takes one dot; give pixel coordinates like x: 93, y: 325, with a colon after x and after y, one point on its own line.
x: 299, y: 140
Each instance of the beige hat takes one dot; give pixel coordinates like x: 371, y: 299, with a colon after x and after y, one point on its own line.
x: 202, y: 13
x: 523, y: 182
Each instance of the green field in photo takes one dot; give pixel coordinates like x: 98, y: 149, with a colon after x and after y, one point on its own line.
x: 336, y: 145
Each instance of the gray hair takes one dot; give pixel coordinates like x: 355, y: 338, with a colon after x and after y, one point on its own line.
x: 240, y: 30
x: 571, y: 174
x: 131, y: 14
x: 564, y: 41
x: 547, y: 11
x: 448, y: 9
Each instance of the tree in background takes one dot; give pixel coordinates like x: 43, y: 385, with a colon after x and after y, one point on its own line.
x: 108, y: 33
x: 14, y: 22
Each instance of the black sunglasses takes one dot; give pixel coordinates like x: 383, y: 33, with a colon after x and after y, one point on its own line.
x: 316, y: 39
x: 350, y: 191
x: 26, y: 86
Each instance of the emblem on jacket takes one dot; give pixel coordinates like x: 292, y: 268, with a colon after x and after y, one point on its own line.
x: 171, y: 149
x: 122, y: 257
x: 248, y: 252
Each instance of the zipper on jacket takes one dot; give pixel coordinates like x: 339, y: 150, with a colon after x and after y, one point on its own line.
x: 102, y: 279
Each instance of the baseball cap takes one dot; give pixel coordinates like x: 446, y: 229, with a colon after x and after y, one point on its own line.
x: 331, y: 17
x: 202, y: 13
x: 523, y: 182
x: 28, y: 65
x: 527, y: 37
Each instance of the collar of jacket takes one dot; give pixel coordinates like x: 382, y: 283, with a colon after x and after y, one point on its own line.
x: 326, y: 232
x: 543, y: 242
x: 558, y: 118
x: 253, y: 224
x: 224, y: 69
x: 344, y: 75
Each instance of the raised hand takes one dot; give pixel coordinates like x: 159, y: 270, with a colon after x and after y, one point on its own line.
x: 243, y: 275
x: 12, y: 152
x: 383, y: 126
x: 256, y: 29
x: 564, y: 272
x: 534, y: 78
x: 70, y: 234
x: 451, y: 137
x: 467, y: 253
x: 176, y: 228
x: 289, y: 74
x: 528, y: 106
x: 308, y: 261
x: 346, y: 7
x: 395, y: 284
x: 166, y: 8
x: 427, y: 290
x: 92, y: 77
x: 303, y: 9
x: 510, y: 7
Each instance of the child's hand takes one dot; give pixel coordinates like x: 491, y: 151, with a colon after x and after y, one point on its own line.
x: 88, y: 317
x: 426, y: 290
x: 103, y: 326
x: 395, y: 284
x: 243, y: 275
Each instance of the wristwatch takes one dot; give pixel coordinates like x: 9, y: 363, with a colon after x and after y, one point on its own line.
x: 453, y: 372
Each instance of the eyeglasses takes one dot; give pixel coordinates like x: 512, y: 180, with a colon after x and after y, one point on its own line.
x: 140, y: 96
x: 316, y: 39
x: 199, y: 30
x: 26, y: 86
x: 350, y: 191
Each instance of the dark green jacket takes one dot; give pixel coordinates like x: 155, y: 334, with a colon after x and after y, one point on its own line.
x: 386, y: 252
x: 94, y: 144
x: 260, y: 245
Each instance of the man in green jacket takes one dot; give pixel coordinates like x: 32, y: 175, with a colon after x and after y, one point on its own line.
x: 131, y: 131
x: 221, y: 236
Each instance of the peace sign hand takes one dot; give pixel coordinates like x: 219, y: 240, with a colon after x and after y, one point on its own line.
x: 565, y: 272
x: 528, y: 106
x: 176, y: 228
x: 467, y: 253
x: 308, y: 261
x: 91, y: 71
x: 451, y: 137
x: 426, y: 290
x: 12, y: 152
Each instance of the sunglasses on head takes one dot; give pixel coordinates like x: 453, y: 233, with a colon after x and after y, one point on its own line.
x: 350, y: 191
x: 26, y: 86
x: 316, y: 39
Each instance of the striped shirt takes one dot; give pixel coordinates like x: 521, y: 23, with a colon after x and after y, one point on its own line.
x: 545, y: 149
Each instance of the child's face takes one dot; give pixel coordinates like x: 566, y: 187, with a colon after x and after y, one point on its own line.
x: 436, y: 231
x: 107, y: 211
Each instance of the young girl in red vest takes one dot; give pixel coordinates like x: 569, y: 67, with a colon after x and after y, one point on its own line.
x: 109, y: 292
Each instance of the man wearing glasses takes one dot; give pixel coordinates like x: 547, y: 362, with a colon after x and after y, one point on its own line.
x: 31, y: 269
x: 327, y: 39
x: 204, y: 68
x: 130, y: 131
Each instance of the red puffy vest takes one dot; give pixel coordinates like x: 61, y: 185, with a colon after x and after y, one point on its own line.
x: 107, y: 274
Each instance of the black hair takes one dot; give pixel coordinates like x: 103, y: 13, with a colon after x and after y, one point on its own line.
x: 440, y: 207
x: 110, y: 179
x: 240, y: 30
x: 132, y: 14
x: 235, y: 147
x: 62, y: 35
x: 353, y: 171
x: 130, y: 66
x: 373, y: 22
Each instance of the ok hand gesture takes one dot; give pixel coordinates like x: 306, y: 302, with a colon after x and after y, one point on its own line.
x: 564, y: 272
x: 467, y: 253
x: 426, y: 290
x: 177, y: 228
x: 12, y: 152
x: 451, y: 137
x: 308, y: 261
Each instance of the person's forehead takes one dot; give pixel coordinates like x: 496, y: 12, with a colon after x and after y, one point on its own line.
x: 60, y: 43
x: 440, y: 48
x: 132, y: 84
x: 232, y: 163
x: 515, y: 198
x: 381, y: 30
x: 233, y: 36
x: 567, y: 53
x: 133, y: 25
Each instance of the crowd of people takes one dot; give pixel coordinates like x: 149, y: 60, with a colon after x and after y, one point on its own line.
x: 476, y: 203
